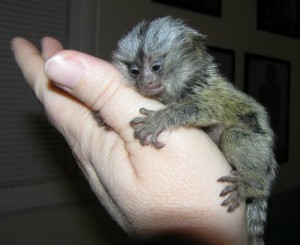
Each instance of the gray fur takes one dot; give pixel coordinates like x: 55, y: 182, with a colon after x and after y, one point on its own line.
x: 166, y: 60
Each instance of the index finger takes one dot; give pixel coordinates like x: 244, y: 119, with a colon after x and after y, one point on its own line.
x: 33, y: 71
x: 23, y: 51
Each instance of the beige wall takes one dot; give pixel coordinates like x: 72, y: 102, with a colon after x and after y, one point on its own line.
x: 235, y: 30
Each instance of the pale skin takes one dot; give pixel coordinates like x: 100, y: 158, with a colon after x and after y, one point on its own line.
x: 146, y: 191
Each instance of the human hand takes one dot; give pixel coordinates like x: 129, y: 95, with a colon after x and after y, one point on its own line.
x: 147, y: 191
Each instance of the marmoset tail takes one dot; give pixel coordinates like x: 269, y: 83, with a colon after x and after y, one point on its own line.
x: 166, y: 60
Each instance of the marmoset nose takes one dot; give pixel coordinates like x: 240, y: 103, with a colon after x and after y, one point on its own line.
x: 152, y: 84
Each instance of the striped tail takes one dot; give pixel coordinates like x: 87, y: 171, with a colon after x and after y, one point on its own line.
x: 256, y: 219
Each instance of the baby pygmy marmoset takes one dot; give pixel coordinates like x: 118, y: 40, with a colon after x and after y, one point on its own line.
x: 166, y: 60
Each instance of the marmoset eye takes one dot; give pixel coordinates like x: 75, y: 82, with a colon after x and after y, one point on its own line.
x: 134, y: 70
x: 156, y: 67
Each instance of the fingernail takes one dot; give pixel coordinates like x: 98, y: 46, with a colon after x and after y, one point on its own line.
x: 64, y: 70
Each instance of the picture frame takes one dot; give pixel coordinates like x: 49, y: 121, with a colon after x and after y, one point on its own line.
x: 268, y: 80
x: 225, y: 59
x: 279, y: 16
x: 210, y: 7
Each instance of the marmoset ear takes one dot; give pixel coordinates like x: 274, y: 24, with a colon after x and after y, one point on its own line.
x: 201, y: 36
x: 198, y: 39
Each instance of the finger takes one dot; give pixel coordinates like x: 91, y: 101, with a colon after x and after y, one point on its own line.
x: 50, y: 46
x: 97, y: 84
x: 30, y: 61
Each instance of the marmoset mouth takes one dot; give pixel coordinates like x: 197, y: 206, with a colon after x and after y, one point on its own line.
x: 151, y: 91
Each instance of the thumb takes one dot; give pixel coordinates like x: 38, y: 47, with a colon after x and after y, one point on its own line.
x: 98, y: 85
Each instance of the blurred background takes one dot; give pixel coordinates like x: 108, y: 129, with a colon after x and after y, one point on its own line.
x: 44, y: 199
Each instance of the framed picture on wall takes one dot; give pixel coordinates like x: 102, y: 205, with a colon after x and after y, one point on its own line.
x: 279, y: 16
x: 268, y: 80
x: 225, y: 58
x: 210, y: 7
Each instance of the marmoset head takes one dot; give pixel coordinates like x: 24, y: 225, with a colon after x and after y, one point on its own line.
x: 161, y: 57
